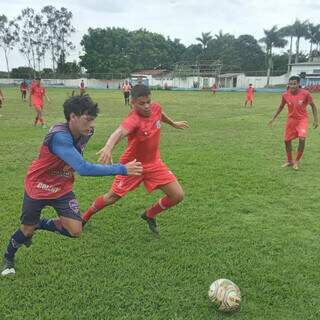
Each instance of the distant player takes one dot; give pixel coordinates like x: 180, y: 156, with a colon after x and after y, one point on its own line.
x: 126, y: 88
x: 142, y: 127
x: 23, y: 90
x: 297, y: 100
x: 82, y: 88
x: 249, y: 95
x: 50, y: 178
x: 214, y: 88
x: 37, y: 92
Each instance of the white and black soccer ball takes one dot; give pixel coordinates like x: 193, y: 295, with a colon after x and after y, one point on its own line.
x: 225, y: 295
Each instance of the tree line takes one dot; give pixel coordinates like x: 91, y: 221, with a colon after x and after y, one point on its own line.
x: 119, y: 51
x: 37, y: 34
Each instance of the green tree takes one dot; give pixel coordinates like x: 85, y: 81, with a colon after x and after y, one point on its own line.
x: 272, y: 39
x: 9, y: 37
x: 300, y: 30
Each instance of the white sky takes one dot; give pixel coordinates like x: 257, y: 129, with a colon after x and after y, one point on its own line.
x: 183, y: 19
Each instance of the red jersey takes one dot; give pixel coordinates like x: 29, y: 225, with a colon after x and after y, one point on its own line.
x: 143, y: 137
x: 297, y: 103
x: 37, y: 92
x: 250, y: 91
x: 49, y: 177
x: 23, y: 86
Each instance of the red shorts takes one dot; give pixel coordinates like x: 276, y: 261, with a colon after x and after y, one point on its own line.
x: 249, y: 98
x: 296, y: 128
x: 154, y: 175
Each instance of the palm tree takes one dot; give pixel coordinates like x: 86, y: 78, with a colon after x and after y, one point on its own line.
x: 204, y: 40
x: 272, y: 40
x: 300, y: 30
x: 313, y: 36
x: 287, y: 31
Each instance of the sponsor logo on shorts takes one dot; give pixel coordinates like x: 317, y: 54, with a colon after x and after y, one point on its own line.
x: 48, y: 187
x: 73, y: 204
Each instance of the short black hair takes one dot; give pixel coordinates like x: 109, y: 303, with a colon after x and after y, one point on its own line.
x: 80, y: 105
x: 38, y: 79
x: 140, y: 90
x: 295, y: 78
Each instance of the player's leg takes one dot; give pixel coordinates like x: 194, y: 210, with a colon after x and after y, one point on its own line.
x: 120, y: 186
x: 69, y: 223
x: 173, y: 195
x: 160, y: 177
x: 31, y: 211
x: 301, y: 145
x: 288, y: 146
x: 101, y: 202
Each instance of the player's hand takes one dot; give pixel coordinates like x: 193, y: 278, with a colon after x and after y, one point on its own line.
x: 180, y: 125
x: 271, y: 123
x: 315, y: 125
x: 134, y: 168
x: 105, y: 155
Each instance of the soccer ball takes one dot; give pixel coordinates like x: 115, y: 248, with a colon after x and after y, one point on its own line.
x: 225, y: 295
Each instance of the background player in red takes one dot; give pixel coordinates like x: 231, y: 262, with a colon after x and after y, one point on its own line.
x: 50, y: 178
x: 23, y: 90
x: 249, y: 95
x: 214, y: 88
x: 37, y: 92
x: 297, y: 100
x: 142, y: 127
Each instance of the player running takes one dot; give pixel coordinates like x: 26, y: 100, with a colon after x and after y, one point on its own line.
x: 50, y: 178
x: 37, y: 92
x: 142, y: 127
x: 297, y: 100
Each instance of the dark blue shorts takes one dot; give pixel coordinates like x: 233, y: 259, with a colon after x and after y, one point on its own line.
x: 66, y: 206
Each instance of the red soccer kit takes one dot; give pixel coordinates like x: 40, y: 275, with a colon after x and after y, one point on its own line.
x: 37, y: 92
x: 143, y: 145
x: 23, y: 87
x: 249, y: 92
x: 297, y: 123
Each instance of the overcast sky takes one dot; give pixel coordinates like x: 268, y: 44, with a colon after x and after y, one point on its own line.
x: 182, y: 19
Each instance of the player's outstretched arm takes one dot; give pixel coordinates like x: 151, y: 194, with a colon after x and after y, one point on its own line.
x: 105, y: 154
x: 47, y: 98
x: 62, y: 146
x: 280, y: 108
x: 174, y: 124
x: 315, y: 115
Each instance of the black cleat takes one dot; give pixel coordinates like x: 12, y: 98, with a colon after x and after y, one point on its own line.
x: 8, y: 267
x: 152, y: 223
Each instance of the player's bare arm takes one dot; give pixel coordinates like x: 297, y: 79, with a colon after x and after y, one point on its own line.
x: 315, y: 115
x: 174, y: 124
x: 279, y: 110
x: 105, y: 154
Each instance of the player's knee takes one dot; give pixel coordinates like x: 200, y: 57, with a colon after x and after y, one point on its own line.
x: 178, y: 197
x: 75, y: 232
x: 111, y: 198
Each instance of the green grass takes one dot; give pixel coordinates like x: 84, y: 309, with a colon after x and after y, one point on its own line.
x: 243, y: 218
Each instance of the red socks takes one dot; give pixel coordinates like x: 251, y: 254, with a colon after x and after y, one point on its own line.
x: 163, y: 204
x: 289, y: 156
x: 299, y: 155
x: 98, y: 204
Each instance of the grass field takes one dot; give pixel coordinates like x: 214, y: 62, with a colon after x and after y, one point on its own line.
x: 243, y: 218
